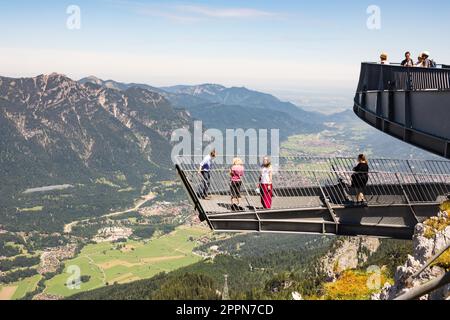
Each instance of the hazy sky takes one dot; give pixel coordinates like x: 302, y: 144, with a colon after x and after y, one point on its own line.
x: 307, y: 51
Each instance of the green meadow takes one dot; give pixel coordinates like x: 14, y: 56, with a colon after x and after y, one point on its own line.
x: 19, y: 289
x: 108, y: 263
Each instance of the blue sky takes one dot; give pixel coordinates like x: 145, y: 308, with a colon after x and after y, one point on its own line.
x: 307, y: 51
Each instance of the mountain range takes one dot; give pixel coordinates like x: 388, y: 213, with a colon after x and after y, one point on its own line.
x: 99, y: 134
x: 56, y: 130
x: 222, y: 108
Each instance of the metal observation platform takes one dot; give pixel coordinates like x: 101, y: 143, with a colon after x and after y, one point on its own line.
x: 411, y: 104
x: 315, y: 196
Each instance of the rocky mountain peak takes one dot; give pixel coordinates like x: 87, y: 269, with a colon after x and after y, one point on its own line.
x: 430, y: 238
x: 346, y: 254
x: 84, y: 126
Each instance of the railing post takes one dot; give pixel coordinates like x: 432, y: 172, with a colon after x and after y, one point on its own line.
x: 409, y: 84
x: 407, y: 198
x: 254, y: 208
x: 327, y: 203
x: 192, y: 194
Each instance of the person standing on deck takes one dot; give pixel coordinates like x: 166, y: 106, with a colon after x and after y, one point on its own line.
x: 205, y: 171
x: 360, y: 178
x: 427, y: 62
x: 266, y: 184
x: 384, y: 58
x: 236, y: 174
x: 408, y: 62
x: 419, y: 63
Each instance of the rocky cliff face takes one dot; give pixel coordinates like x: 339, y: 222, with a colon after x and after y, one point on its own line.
x: 347, y: 254
x: 430, y: 238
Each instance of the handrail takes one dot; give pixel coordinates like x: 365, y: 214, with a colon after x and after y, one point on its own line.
x: 307, y: 188
x: 377, y: 77
x: 429, y: 286
x: 433, y: 259
x: 398, y: 64
x: 426, y: 288
x: 190, y: 162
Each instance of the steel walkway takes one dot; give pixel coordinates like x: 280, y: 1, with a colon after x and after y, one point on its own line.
x: 314, y: 195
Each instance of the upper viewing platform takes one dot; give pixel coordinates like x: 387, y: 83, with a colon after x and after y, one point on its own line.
x: 409, y: 103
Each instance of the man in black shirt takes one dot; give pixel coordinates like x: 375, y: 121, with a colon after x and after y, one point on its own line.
x: 408, y: 62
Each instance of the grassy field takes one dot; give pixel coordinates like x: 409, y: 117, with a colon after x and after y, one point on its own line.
x: 311, y: 144
x: 18, y: 289
x: 105, y: 263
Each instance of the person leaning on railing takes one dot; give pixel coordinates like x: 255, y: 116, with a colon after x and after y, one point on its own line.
x: 205, y: 171
x: 360, y: 178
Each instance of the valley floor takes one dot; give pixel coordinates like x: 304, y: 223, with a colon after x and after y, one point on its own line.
x: 116, y: 263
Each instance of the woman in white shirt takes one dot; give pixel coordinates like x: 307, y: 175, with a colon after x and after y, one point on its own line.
x: 265, y: 183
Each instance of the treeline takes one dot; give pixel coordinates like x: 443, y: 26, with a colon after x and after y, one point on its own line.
x: 9, y: 251
x: 6, y: 250
x: 391, y: 253
x: 11, y: 245
x: 39, y: 242
x: 255, y: 245
x: 161, y: 287
x: 17, y: 275
x: 61, y: 207
x: 18, y: 262
x: 147, y: 232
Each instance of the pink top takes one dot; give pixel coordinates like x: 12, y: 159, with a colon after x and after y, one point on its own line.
x: 236, y: 173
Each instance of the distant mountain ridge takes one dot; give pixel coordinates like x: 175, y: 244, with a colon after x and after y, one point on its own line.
x: 221, y: 107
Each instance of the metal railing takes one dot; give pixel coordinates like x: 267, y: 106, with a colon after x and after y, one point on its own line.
x: 308, y: 163
x: 377, y: 77
x: 295, y: 189
x: 429, y: 286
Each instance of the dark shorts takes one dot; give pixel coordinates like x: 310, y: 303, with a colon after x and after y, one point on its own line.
x: 235, y: 189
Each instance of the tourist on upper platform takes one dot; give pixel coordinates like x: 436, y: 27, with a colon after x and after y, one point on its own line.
x: 205, y: 171
x: 384, y: 58
x: 360, y: 178
x: 427, y: 62
x: 408, y: 62
x: 236, y: 174
x: 266, y: 184
x: 420, y: 61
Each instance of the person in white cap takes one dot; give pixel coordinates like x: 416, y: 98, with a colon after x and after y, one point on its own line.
x: 426, y: 59
x: 427, y: 62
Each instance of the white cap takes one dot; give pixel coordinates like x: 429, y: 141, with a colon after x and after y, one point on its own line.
x: 426, y: 53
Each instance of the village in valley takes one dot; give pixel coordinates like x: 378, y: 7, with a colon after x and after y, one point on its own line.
x: 159, y: 235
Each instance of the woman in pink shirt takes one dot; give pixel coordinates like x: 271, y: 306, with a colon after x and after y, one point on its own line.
x: 236, y: 174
